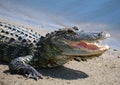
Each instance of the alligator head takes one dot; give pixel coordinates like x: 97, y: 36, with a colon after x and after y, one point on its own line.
x: 72, y: 42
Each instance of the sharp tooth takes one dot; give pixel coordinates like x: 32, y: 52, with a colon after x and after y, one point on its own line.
x: 95, y: 44
x: 105, y: 47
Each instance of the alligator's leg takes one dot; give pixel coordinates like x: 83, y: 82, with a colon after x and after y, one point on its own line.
x: 20, y: 65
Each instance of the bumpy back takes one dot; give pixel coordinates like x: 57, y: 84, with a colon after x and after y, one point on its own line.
x: 9, y: 33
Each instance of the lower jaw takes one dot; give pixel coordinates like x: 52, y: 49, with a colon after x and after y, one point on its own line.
x: 84, y: 55
x: 101, y: 49
x: 91, y: 47
x: 86, y: 52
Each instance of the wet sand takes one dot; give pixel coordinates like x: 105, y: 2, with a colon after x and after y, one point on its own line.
x: 104, y: 70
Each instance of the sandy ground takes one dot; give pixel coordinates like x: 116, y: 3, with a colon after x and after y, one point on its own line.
x: 104, y: 70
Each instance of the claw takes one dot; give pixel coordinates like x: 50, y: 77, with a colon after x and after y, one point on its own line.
x: 34, y: 74
x: 40, y: 76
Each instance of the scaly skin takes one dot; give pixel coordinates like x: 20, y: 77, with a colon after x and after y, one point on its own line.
x: 25, y: 49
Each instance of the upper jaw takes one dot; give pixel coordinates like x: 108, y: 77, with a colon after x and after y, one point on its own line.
x: 92, y: 36
x: 89, y: 41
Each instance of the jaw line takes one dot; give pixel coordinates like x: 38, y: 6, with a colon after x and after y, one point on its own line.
x: 90, y: 47
x: 85, y: 52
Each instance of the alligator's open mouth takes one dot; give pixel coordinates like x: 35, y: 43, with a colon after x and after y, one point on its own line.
x: 88, y: 46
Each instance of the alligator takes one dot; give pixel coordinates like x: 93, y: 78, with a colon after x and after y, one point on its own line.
x: 26, y: 50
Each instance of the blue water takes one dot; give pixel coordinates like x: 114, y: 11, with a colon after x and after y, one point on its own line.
x: 90, y: 15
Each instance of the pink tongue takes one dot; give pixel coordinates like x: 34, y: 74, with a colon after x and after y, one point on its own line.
x: 82, y: 44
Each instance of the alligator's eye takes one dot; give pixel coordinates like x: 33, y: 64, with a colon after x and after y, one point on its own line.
x: 100, y: 33
x: 71, y: 31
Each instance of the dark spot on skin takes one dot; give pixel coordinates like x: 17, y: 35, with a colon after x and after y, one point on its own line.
x: 115, y: 49
x: 14, y: 29
x: 22, y: 26
x: 35, y: 32
x: 19, y: 38
x: 24, y: 40
x: 6, y: 26
x: 7, y: 38
x: 34, y: 41
x: 1, y: 25
x: 3, y: 31
x: 11, y: 40
x: 11, y: 33
x: 18, y: 31
x: 13, y: 26
x: 9, y: 27
x: 22, y: 33
x: 29, y: 40
x: 42, y: 37
x: 9, y: 24
x: 52, y: 32
x: 47, y: 34
x: 34, y: 35
x: 30, y: 37
x: 7, y: 32
x: 16, y: 35
x: 2, y: 36
x: 26, y: 34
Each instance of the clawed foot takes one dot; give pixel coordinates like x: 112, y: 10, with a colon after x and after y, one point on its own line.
x: 33, y: 73
x: 34, y: 76
x: 18, y: 65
